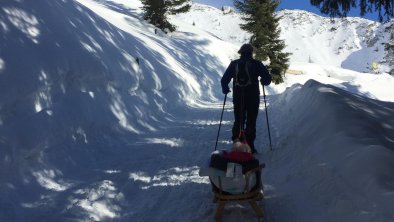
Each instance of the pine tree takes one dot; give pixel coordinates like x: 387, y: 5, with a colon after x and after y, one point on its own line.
x: 340, y: 8
x: 156, y: 12
x: 260, y: 20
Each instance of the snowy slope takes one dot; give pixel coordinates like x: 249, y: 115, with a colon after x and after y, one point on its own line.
x: 342, y: 156
x: 103, y: 120
x: 224, y: 26
x: 351, y: 43
x: 73, y: 95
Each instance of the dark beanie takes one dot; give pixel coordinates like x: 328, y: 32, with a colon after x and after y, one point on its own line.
x: 246, y: 49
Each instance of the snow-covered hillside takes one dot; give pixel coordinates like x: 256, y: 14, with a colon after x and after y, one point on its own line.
x: 351, y: 43
x: 101, y: 119
x: 75, y: 90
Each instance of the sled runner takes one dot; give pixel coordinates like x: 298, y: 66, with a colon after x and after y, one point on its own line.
x: 236, y: 183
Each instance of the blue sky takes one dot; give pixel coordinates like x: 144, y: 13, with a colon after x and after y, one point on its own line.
x: 288, y: 4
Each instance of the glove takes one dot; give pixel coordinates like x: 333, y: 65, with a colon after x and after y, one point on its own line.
x: 225, y: 90
x: 262, y: 82
x: 265, y: 82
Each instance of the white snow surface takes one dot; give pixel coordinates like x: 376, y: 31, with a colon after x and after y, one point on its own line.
x: 101, y: 119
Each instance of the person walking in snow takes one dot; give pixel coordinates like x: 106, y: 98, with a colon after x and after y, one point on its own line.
x: 246, y: 93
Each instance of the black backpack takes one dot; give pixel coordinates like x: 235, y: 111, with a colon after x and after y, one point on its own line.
x: 242, y: 76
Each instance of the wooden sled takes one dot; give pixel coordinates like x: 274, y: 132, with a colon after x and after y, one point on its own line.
x: 221, y: 197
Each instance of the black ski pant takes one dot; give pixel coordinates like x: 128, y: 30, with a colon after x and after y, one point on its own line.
x: 246, y: 102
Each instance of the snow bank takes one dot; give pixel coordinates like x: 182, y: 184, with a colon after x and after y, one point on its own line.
x: 374, y: 86
x: 335, y: 148
x: 76, y: 89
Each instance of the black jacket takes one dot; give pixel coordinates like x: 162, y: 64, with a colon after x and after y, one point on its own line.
x: 256, y: 69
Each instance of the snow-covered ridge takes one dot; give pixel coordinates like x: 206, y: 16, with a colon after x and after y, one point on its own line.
x: 351, y: 43
x: 342, y: 155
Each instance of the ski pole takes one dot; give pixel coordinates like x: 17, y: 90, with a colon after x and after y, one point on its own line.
x: 220, y: 123
x: 266, y: 115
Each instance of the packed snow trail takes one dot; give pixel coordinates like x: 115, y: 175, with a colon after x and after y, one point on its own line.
x: 156, y: 178
x: 169, y: 175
